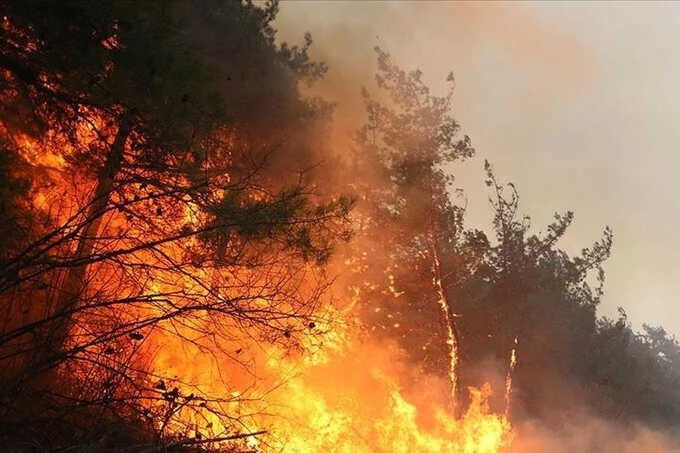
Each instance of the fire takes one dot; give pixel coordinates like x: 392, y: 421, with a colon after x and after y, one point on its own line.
x: 451, y: 337
x: 340, y: 393
x: 328, y: 387
x: 508, y: 377
x: 332, y: 402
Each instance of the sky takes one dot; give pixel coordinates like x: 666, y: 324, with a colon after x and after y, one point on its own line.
x: 578, y: 104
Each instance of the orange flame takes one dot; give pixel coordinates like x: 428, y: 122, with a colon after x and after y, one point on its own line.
x: 344, y: 397
x: 509, y: 375
x: 337, y: 391
x: 451, y: 339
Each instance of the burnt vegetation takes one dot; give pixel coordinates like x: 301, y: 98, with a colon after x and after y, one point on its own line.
x: 159, y: 178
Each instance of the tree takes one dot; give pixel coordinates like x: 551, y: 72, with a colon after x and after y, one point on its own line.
x: 168, y: 206
x: 526, y: 294
x: 633, y: 377
x: 402, y: 156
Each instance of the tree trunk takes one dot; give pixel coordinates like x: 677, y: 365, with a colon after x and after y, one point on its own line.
x: 68, y: 297
x: 448, y: 318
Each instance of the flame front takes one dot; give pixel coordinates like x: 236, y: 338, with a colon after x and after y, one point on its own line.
x: 337, y: 390
x: 345, y: 397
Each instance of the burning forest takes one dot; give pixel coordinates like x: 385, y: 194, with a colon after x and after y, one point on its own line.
x: 194, y: 258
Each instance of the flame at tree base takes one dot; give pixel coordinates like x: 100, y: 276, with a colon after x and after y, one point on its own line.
x: 321, y: 426
x: 348, y: 396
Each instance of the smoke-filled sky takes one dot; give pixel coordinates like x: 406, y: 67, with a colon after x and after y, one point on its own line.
x: 577, y: 103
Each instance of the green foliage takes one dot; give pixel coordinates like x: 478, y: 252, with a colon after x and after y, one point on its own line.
x: 634, y: 375
x: 289, y: 220
x: 411, y: 138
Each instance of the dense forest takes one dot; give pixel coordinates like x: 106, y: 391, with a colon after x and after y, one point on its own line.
x: 177, y: 229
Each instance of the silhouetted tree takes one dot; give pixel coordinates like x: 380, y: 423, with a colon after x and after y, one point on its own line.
x: 176, y: 197
x: 403, y: 153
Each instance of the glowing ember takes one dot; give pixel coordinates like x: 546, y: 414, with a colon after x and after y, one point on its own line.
x: 508, y: 376
x: 451, y: 336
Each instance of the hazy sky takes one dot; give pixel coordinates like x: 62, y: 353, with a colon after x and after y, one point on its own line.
x: 578, y: 104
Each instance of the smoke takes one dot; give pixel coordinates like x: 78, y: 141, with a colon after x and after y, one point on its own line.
x: 589, y: 434
x: 345, y: 34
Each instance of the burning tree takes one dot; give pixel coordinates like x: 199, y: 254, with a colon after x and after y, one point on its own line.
x: 153, y: 208
x: 525, y: 298
x: 408, y: 144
